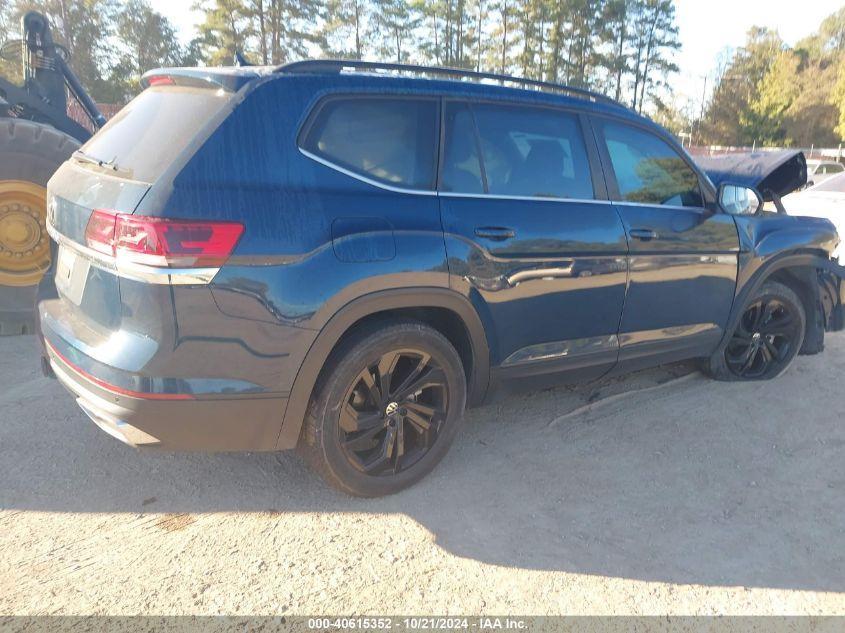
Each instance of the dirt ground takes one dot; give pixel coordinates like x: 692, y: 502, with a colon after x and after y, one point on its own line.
x: 691, y: 497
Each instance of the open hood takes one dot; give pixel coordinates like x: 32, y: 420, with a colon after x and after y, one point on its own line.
x: 778, y: 173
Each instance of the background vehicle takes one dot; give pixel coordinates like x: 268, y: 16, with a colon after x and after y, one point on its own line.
x: 824, y: 200
x: 820, y: 170
x: 338, y: 261
x: 36, y: 136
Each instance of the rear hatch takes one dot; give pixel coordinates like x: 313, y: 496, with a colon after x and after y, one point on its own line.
x: 109, y: 295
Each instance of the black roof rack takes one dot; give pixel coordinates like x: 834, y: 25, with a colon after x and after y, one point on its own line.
x: 338, y: 65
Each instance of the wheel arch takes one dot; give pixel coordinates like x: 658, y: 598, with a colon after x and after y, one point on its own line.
x: 797, y: 270
x: 444, y: 309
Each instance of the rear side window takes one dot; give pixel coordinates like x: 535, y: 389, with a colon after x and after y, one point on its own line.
x: 389, y: 140
x: 648, y: 170
x: 534, y: 152
x: 146, y: 136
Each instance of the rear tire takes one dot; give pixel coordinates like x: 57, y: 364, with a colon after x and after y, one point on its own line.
x: 767, y: 337
x: 29, y: 155
x: 386, y: 410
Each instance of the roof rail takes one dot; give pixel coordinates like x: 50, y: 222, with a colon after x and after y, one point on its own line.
x: 339, y: 65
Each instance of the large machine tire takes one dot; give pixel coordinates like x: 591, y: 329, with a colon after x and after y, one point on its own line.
x: 29, y: 154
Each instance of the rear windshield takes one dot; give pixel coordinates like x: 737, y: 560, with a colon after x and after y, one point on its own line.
x: 144, y: 137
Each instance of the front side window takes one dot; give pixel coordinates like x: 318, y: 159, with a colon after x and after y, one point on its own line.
x: 648, y: 170
x: 390, y: 140
x: 533, y: 152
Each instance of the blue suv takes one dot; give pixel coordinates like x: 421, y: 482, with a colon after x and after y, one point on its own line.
x: 341, y: 256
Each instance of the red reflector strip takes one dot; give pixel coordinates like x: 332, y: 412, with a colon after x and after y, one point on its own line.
x: 113, y: 388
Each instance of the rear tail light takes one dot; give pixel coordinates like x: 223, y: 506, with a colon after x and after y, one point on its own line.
x: 162, y: 242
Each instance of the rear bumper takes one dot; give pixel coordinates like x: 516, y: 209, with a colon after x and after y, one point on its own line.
x: 244, y: 423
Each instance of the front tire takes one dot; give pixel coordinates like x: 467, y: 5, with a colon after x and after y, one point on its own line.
x: 767, y: 337
x: 386, y: 411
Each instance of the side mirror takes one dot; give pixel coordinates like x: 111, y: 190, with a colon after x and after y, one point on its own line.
x: 739, y: 200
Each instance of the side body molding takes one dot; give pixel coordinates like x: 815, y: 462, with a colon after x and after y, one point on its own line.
x: 369, y: 305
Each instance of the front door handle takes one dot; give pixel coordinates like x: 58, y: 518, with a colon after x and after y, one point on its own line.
x: 643, y: 234
x: 495, y: 233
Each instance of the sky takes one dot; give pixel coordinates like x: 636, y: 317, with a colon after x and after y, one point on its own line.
x: 707, y: 28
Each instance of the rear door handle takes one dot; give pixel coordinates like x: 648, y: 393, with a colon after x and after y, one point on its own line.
x: 495, y: 233
x: 643, y: 234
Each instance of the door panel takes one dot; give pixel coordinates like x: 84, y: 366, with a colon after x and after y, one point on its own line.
x: 544, y: 262
x: 682, y: 256
x: 555, y: 290
x: 682, y: 281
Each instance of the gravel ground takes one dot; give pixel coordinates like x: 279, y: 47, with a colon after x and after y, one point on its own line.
x: 627, y: 496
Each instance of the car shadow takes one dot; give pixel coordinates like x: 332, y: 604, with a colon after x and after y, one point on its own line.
x: 662, y: 475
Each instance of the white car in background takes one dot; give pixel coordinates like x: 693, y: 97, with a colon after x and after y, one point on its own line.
x: 823, y: 200
x: 820, y: 170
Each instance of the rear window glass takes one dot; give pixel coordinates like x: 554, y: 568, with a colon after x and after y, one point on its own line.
x: 145, y: 137
x: 385, y: 139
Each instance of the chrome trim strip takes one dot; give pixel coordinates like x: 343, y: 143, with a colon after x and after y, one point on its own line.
x: 658, y: 206
x: 656, y: 260
x: 540, y: 273
x: 492, y: 196
x: 561, y: 349
x: 369, y: 181
x: 670, y: 333
x: 442, y: 194
x: 136, y: 272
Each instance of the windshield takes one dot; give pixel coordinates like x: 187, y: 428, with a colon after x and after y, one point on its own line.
x: 144, y: 138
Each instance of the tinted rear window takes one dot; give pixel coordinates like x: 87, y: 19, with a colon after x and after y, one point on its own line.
x: 385, y: 139
x: 145, y: 136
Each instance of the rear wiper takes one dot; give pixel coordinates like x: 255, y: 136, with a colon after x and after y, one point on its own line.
x: 87, y: 158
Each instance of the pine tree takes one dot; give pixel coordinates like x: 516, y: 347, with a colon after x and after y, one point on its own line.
x: 225, y: 31
x: 146, y: 40
x: 394, y: 24
x: 344, y: 30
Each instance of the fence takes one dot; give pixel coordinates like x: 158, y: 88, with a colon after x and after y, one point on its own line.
x: 75, y: 112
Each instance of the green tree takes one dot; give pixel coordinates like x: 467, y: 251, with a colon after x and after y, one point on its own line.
x: 146, y: 40
x: 775, y: 95
x: 656, y: 40
x: 225, y: 30
x: 616, y: 60
x: 730, y: 118
x: 394, y: 24
x: 344, y: 30
x: 503, y: 35
x: 838, y: 101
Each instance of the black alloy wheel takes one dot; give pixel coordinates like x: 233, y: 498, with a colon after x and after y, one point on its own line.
x: 766, y: 338
x: 386, y: 409
x: 393, y: 411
